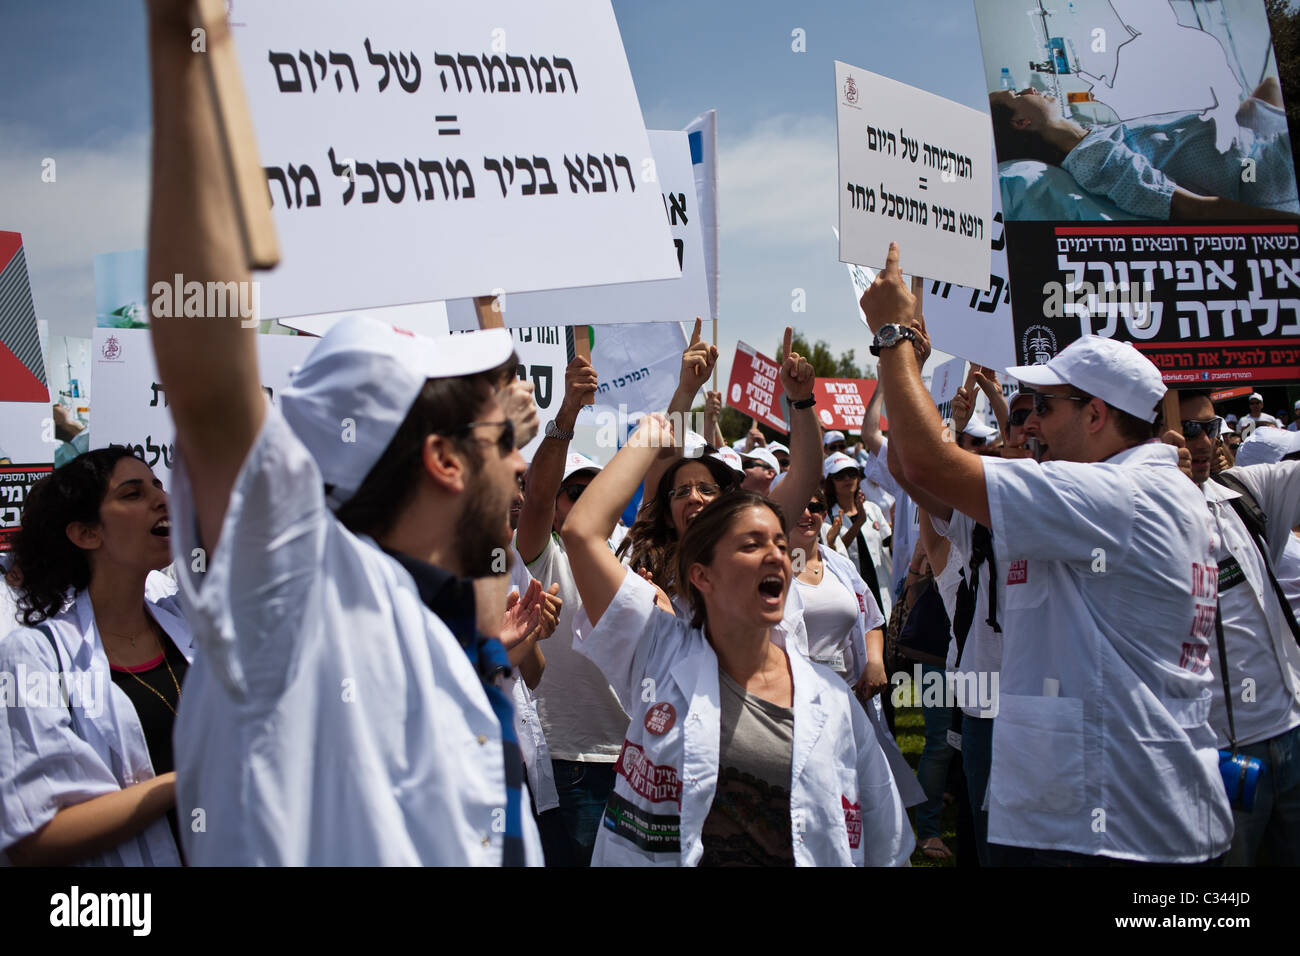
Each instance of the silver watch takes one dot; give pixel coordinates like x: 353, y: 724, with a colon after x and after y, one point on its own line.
x: 554, y: 431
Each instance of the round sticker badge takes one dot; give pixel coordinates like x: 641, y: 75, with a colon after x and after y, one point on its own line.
x: 660, y: 718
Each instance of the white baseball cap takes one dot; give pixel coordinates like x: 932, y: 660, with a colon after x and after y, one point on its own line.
x: 775, y: 446
x: 1255, y: 397
x: 763, y: 455
x: 1267, y: 446
x: 1230, y: 418
x: 575, y: 462
x: 1297, y: 404
x: 977, y: 429
x: 731, y: 458
x: 838, y: 462
x: 370, y: 373
x: 1115, y: 372
x: 830, y: 437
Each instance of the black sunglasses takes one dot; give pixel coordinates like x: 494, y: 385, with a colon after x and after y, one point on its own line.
x: 1018, y: 417
x: 1041, y: 406
x: 505, y: 441
x: 1193, y: 428
x: 573, y: 491
x: 836, y: 446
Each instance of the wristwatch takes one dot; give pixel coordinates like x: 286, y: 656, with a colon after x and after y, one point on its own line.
x: 808, y: 402
x: 554, y: 431
x: 891, y: 335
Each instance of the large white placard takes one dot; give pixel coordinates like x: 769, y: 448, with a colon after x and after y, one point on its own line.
x: 131, y: 403
x: 703, y: 132
x: 669, y: 300
x: 425, y: 318
x: 418, y: 151
x: 913, y: 167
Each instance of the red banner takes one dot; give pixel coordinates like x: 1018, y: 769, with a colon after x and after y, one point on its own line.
x: 755, y: 387
x: 841, y: 402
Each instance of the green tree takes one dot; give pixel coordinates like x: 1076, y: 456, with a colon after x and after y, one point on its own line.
x: 1284, y: 21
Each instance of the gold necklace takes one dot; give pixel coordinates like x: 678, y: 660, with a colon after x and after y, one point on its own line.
x: 155, y: 691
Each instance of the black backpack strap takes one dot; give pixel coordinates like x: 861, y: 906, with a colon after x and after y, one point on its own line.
x: 63, y: 685
x: 1256, y: 522
x: 1223, y: 672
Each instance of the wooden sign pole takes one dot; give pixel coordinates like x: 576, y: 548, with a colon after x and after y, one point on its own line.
x: 252, y: 197
x: 1171, y: 408
x: 582, y: 348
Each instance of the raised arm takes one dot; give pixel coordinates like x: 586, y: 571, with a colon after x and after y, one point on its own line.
x: 712, y: 416
x: 209, y: 364
x: 939, y: 468
x: 987, y: 379
x: 870, y: 433
x: 596, y: 571
x: 697, y: 365
x: 805, y: 472
x: 547, y: 470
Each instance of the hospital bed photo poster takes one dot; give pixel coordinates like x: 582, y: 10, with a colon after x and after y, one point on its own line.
x: 1144, y: 200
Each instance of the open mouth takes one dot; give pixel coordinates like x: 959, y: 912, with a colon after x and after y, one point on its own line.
x: 162, y: 529
x: 771, y: 587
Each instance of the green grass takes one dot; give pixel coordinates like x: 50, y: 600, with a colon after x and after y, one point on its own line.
x: 909, y: 727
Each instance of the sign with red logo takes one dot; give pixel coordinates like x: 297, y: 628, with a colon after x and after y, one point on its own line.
x: 1018, y: 573
x: 657, y: 784
x: 852, y: 821
x: 841, y: 402
x: 660, y: 718
x: 755, y: 387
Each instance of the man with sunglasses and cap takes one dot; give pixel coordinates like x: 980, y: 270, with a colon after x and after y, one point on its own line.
x: 344, y: 709
x: 1102, y: 750
x: 1256, y: 417
x: 760, y: 468
x: 580, y: 714
x: 1256, y: 707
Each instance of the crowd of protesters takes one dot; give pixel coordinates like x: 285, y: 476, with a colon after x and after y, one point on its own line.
x: 400, y: 643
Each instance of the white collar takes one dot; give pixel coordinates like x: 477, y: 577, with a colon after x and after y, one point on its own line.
x: 1216, y: 493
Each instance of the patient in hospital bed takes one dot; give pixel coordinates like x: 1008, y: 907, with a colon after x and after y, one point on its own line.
x: 1154, y: 167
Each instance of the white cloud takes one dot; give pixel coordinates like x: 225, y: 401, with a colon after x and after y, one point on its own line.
x: 777, y: 183
x: 97, y: 203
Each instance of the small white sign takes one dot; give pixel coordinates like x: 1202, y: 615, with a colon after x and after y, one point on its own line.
x: 130, y: 404
x: 913, y: 168
x: 947, y: 378
x: 423, y: 150
x: 669, y: 300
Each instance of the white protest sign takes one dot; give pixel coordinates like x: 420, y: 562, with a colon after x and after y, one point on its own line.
x: 680, y: 299
x: 947, y: 378
x: 637, y: 367
x: 130, y: 403
x: 543, y: 355
x: 913, y: 167
x: 703, y: 132
x: 424, y: 318
x: 419, y: 151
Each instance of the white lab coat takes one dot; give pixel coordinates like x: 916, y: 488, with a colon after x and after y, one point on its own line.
x: 1102, y: 743
x: 528, y: 725
x: 856, y: 657
x: 331, y: 718
x: 48, y: 759
x: 845, y: 809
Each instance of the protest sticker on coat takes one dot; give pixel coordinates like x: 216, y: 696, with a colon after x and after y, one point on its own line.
x: 841, y: 402
x: 755, y: 387
x: 681, y: 298
x: 913, y: 167
x: 1100, y: 235
x: 130, y: 402
x: 419, y: 151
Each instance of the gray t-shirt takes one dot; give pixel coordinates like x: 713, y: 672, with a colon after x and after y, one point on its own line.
x: 749, y: 821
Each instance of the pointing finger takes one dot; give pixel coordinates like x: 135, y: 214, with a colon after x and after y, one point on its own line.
x: 785, y: 345
x: 695, y: 336
x: 918, y: 291
x: 891, y: 262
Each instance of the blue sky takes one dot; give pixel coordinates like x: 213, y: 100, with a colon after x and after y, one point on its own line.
x: 75, y: 76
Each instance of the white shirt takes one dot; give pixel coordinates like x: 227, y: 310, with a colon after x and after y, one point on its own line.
x: 1263, y: 659
x: 528, y: 725
x: 581, y: 715
x: 874, y: 530
x: 844, y: 807
x: 906, y: 527
x: 976, y: 675
x: 48, y: 761
x: 1109, y: 593
x: 1288, y: 574
x: 330, y: 717
x: 830, y: 612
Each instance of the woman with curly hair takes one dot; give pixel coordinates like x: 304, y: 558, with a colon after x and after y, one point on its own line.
x: 85, y: 743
